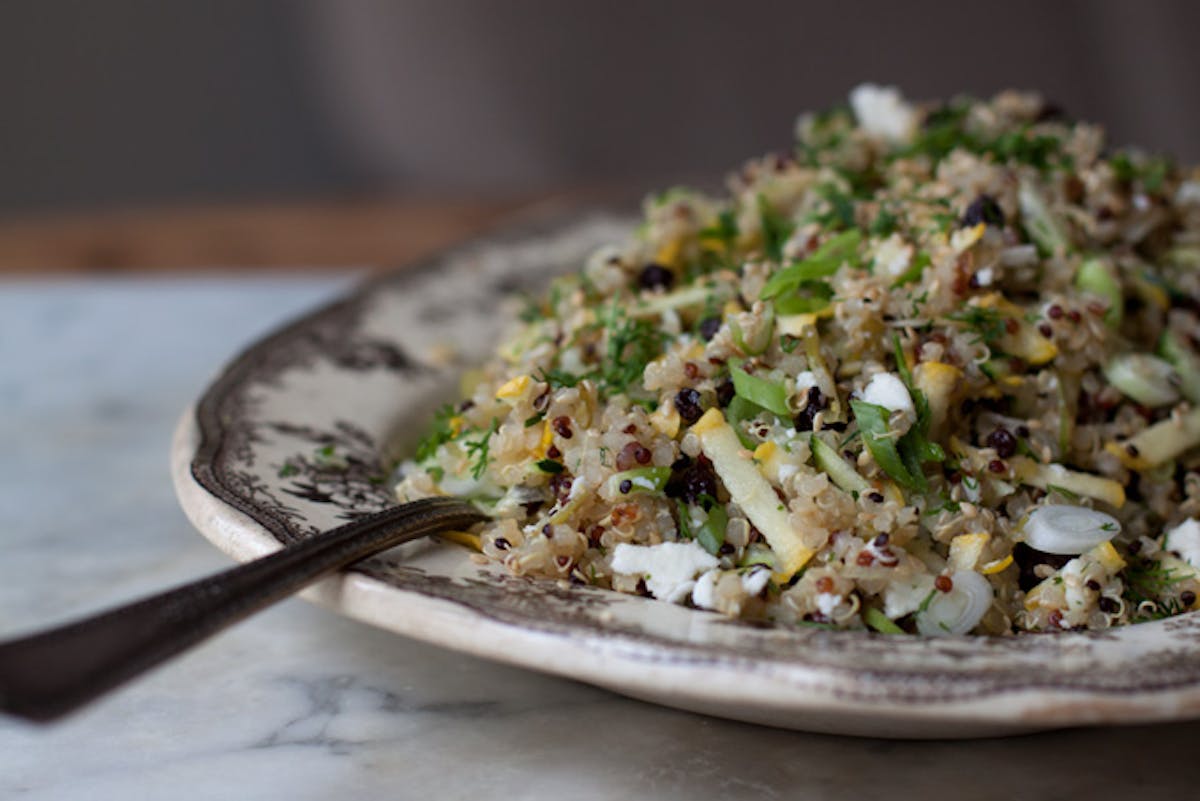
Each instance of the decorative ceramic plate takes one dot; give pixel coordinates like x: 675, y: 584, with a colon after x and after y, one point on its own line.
x: 254, y: 468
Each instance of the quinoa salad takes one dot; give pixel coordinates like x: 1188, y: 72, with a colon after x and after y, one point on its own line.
x: 934, y: 370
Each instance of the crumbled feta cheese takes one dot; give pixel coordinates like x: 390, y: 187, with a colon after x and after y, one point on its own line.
x: 827, y: 602
x: 1184, y: 540
x: 755, y: 580
x: 805, y: 379
x: 641, y: 482
x: 1074, y: 584
x: 985, y: 277
x: 669, y: 568
x: 704, y: 594
x: 892, y: 256
x: 881, y: 111
x: 888, y: 391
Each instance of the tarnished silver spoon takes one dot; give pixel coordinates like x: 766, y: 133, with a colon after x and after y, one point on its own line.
x: 48, y: 674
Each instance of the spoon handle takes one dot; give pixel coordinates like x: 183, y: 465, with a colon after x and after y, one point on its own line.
x: 48, y: 674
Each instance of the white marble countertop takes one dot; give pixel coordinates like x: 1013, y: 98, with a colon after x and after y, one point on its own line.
x: 297, y: 703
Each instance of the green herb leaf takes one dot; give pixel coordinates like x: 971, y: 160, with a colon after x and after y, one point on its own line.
x: 840, y: 214
x: 915, y: 269
x: 632, y: 344
x: 988, y: 324
x: 881, y: 442
x: 824, y: 262
x: 711, y: 535
x: 439, y: 433
x: 884, y: 224
x: 479, y: 450
x: 724, y: 231
x: 557, y: 379
x: 770, y: 395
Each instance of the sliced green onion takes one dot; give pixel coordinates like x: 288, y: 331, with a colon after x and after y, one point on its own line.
x: 1185, y: 361
x: 641, y: 479
x: 881, y: 442
x: 762, y: 338
x: 1039, y: 222
x: 958, y: 611
x: 1147, y: 379
x: 1068, y: 530
x: 690, y: 297
x: 996, y: 369
x: 841, y: 472
x: 1099, y: 277
x: 757, y: 553
x: 809, y: 297
x: 877, y: 620
x: 770, y: 395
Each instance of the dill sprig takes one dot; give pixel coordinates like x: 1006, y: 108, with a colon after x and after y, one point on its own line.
x: 479, y: 450
x: 988, y: 324
x: 1147, y: 580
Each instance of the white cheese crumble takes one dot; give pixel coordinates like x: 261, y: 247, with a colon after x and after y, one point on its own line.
x: 1184, y: 540
x: 669, y: 568
x: 827, y: 602
x: 985, y: 277
x: 704, y: 594
x: 642, y: 483
x: 892, y: 256
x: 882, y: 112
x: 805, y: 379
x: 755, y: 580
x: 888, y: 391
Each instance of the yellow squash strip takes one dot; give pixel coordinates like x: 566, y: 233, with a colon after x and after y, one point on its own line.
x: 966, y: 549
x: 465, y: 538
x: 752, y: 492
x: 997, y: 566
x: 513, y: 388
x: 1026, y: 341
x: 1051, y: 476
x: 940, y: 382
x: 795, y: 325
x: 1159, y: 443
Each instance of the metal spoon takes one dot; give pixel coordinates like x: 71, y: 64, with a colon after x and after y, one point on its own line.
x: 46, y: 675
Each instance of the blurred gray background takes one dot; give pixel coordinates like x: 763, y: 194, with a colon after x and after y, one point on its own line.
x: 140, y: 103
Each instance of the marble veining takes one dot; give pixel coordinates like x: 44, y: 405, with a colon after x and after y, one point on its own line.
x: 298, y: 703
